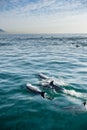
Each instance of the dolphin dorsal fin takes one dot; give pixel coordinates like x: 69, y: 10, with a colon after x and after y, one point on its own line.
x: 84, y: 103
x: 51, y: 83
x: 43, y: 94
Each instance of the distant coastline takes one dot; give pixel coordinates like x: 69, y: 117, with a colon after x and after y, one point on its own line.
x: 2, y: 31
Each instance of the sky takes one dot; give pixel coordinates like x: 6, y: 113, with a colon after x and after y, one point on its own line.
x: 43, y: 16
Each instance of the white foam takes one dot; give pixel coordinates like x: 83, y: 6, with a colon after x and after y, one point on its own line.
x: 60, y: 82
x: 72, y: 93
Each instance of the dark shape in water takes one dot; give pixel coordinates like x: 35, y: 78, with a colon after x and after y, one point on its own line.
x: 77, y: 46
x: 84, y: 103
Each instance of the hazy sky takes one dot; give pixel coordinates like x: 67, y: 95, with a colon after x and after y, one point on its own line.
x: 43, y: 16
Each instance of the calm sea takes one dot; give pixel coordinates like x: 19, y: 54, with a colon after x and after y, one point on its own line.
x: 22, y: 58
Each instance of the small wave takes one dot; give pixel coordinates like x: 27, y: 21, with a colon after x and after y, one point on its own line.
x: 5, y: 44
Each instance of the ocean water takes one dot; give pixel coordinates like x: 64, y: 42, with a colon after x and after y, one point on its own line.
x: 62, y: 57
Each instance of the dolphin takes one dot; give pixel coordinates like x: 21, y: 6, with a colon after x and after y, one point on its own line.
x: 42, y: 76
x: 77, y: 108
x: 85, y: 105
x: 56, y: 87
x: 45, y: 80
x: 35, y: 90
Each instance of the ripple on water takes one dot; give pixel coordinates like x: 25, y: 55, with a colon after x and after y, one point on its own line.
x: 22, y: 57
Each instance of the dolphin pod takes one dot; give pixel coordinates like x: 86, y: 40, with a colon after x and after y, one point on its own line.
x: 51, y: 84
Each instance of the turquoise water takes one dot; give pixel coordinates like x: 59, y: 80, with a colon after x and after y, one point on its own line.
x: 22, y: 57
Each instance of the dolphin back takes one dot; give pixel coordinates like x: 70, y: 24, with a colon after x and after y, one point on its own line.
x: 42, y: 76
x: 35, y: 90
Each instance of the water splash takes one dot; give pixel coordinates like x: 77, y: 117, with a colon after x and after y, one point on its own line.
x: 75, y: 94
x: 60, y: 82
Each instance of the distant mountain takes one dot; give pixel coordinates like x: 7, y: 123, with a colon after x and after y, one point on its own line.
x: 2, y: 31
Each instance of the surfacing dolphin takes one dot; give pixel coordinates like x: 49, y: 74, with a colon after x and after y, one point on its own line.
x: 35, y: 90
x: 77, y: 108
x: 51, y: 85
x: 42, y: 76
x: 56, y: 87
x: 85, y: 105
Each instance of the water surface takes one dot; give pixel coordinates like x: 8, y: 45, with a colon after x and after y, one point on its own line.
x: 22, y: 57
